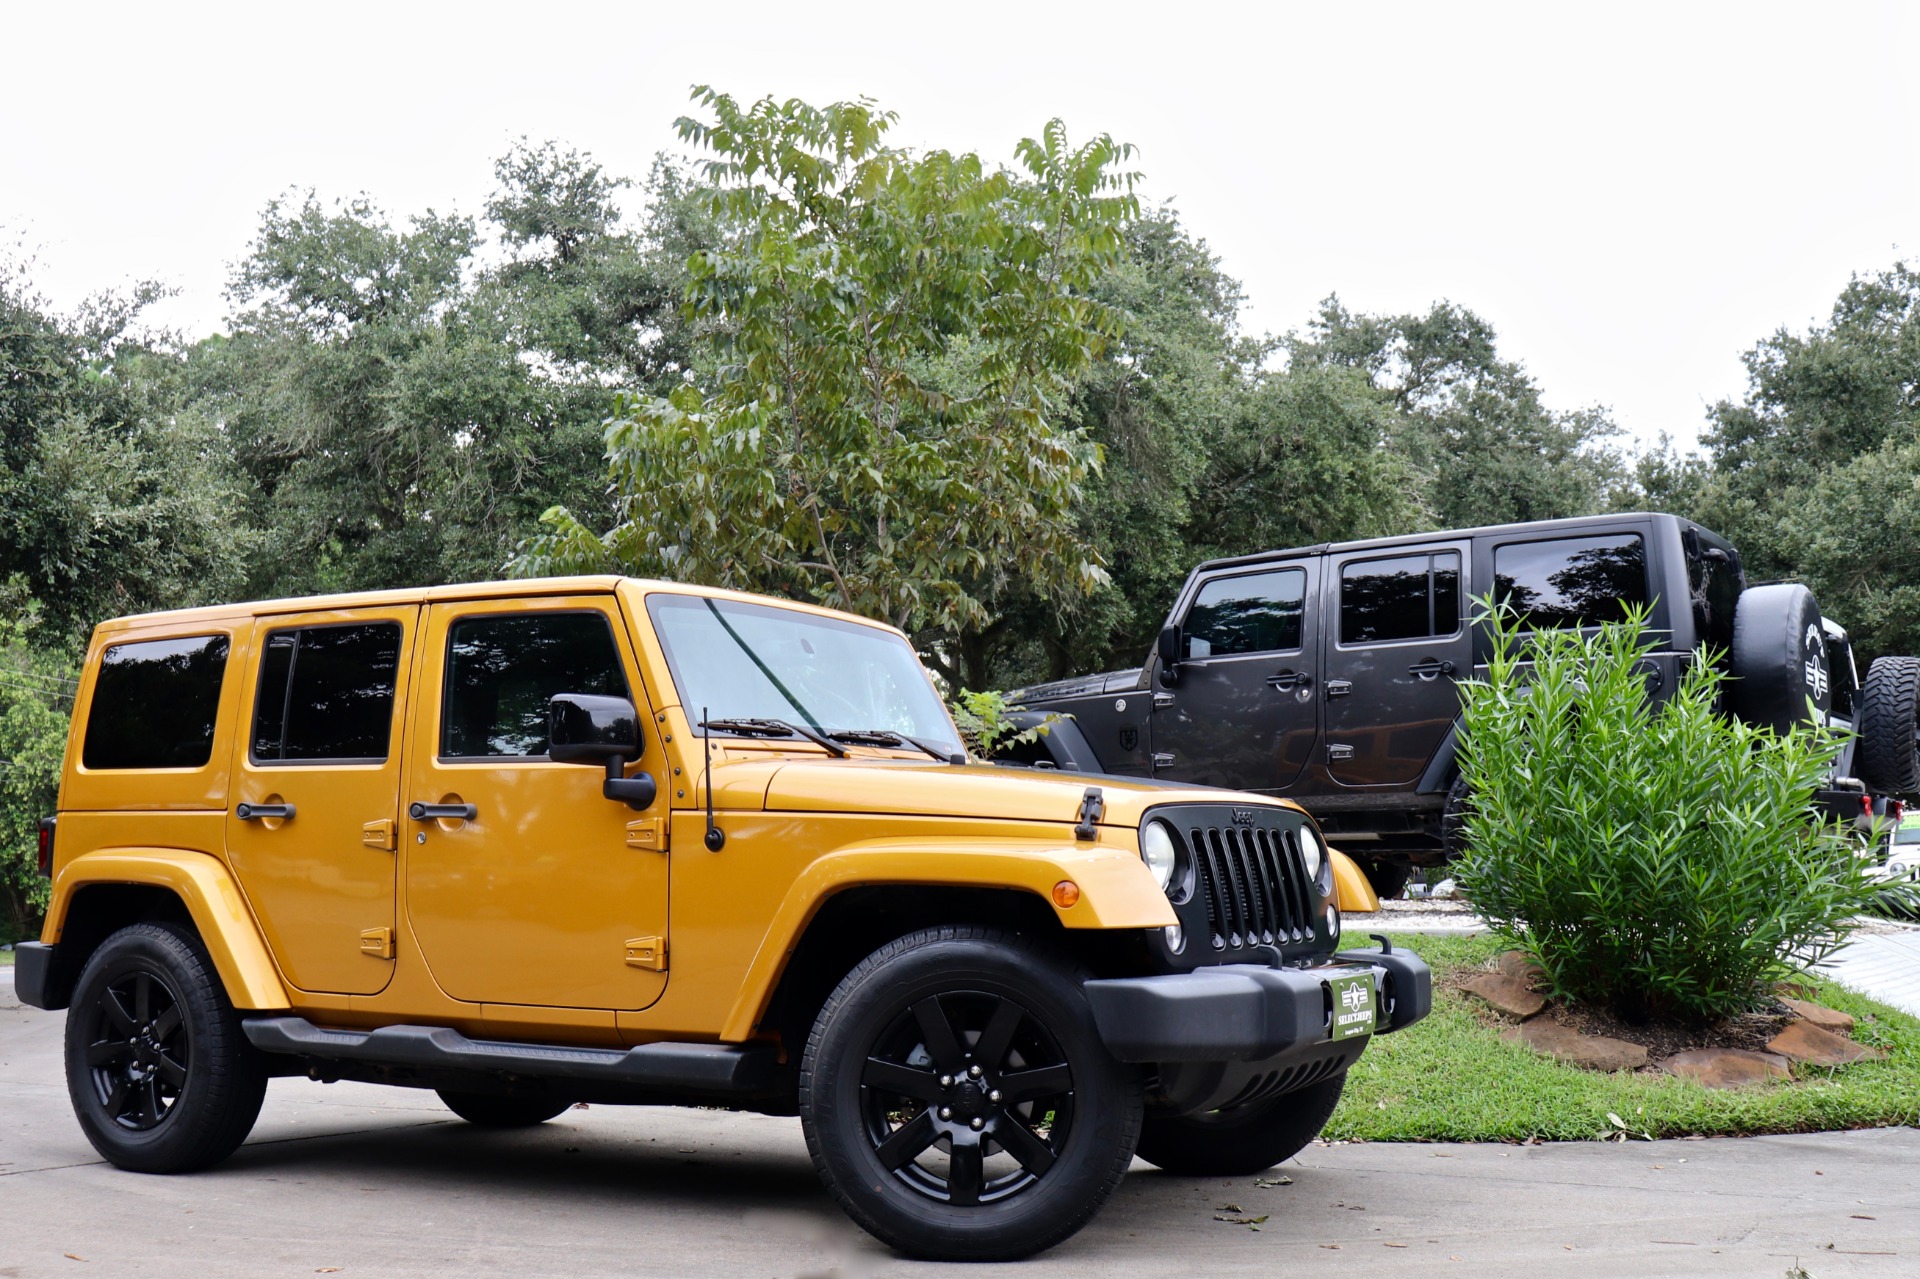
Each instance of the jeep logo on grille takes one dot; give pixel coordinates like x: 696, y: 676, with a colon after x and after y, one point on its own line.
x: 1243, y: 817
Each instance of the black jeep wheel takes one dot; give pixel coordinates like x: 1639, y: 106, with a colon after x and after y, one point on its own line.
x: 1779, y: 658
x: 161, y: 1075
x: 1388, y: 878
x: 1888, y: 756
x: 1243, y: 1140
x: 491, y: 1111
x: 958, y: 1100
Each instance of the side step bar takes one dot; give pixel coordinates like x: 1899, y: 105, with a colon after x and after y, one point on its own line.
x: 665, y: 1067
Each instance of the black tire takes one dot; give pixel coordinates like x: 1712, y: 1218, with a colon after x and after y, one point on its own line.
x: 1888, y: 754
x: 1779, y: 658
x: 161, y: 1075
x: 1453, y: 817
x: 1389, y: 878
x: 898, y: 1041
x: 1243, y: 1140
x: 490, y: 1111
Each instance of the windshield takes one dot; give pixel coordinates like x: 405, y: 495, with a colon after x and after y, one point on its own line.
x: 1908, y: 832
x: 733, y: 660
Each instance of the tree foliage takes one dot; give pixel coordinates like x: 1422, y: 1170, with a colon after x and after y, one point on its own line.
x: 892, y: 335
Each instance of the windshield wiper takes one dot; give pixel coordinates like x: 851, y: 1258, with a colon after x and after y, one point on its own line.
x: 775, y: 728
x: 887, y: 737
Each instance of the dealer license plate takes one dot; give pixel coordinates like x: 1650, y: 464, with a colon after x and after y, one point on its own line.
x: 1352, y: 1005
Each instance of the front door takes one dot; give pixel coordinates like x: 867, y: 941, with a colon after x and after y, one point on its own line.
x: 1398, y: 642
x: 316, y: 789
x: 525, y: 884
x: 1243, y: 712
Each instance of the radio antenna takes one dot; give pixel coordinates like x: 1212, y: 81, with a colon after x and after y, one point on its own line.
x: 716, y: 838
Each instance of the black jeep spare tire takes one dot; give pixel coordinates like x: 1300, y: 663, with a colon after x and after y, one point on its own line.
x: 1888, y: 756
x: 1779, y: 659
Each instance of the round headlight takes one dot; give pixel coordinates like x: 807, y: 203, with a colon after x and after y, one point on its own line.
x: 1157, y: 851
x: 1311, y: 852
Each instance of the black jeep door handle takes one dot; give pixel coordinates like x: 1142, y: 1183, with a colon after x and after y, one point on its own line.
x: 253, y: 812
x: 1287, y: 680
x: 1430, y: 667
x: 428, y: 812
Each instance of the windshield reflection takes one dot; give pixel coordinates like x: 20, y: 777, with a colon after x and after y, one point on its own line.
x: 734, y: 660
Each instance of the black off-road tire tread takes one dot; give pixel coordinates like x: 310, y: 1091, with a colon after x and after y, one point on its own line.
x: 1387, y: 876
x: 1889, y: 703
x: 1177, y: 1145
x: 223, y: 1113
x: 485, y: 1110
x: 1065, y: 1227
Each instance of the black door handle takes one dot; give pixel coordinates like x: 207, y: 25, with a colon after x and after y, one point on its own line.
x: 428, y: 812
x: 1339, y: 687
x: 1288, y: 680
x: 252, y: 812
x: 1430, y: 667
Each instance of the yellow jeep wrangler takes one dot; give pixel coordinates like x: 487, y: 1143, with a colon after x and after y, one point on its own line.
x: 597, y: 839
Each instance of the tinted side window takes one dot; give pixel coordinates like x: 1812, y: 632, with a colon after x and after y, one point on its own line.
x: 502, y: 671
x: 154, y: 704
x: 326, y: 692
x: 1405, y: 597
x: 1255, y: 613
x: 1571, y: 581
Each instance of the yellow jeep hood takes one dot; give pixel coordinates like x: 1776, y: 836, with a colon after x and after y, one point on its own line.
x: 932, y: 789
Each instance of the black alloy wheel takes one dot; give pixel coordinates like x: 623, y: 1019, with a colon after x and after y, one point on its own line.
x: 967, y: 1098
x: 958, y: 1099
x: 138, y: 1061
x: 161, y: 1075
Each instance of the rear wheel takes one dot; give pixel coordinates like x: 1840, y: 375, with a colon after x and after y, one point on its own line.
x: 959, y: 1102
x: 161, y: 1075
x: 1243, y: 1140
x: 489, y: 1111
x: 1888, y: 756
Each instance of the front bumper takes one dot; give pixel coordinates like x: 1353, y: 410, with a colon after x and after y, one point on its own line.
x: 1235, y: 1033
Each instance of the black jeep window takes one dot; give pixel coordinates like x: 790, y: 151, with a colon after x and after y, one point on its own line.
x: 1405, y: 597
x: 326, y: 692
x: 1255, y: 613
x: 1571, y: 581
x: 154, y: 704
x: 502, y: 671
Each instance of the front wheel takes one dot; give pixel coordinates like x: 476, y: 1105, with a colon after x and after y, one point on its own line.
x: 1243, y: 1140
x: 161, y: 1075
x: 959, y: 1102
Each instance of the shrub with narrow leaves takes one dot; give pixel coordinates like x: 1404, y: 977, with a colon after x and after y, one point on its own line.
x: 1661, y: 859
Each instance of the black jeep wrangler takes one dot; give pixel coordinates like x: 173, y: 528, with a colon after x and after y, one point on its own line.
x: 1327, y: 673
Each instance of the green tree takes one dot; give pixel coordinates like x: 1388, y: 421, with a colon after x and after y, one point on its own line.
x: 890, y: 336
x: 1487, y: 448
x: 392, y: 430
x: 1815, y: 468
x: 36, y: 699
x: 116, y: 496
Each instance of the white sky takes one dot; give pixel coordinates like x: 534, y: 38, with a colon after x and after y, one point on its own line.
x: 1631, y: 193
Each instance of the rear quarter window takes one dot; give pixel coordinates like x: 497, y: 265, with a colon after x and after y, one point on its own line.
x: 1571, y: 581
x: 155, y: 703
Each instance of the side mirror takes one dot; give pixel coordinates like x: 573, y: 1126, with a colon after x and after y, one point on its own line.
x: 1169, y: 649
x: 583, y: 728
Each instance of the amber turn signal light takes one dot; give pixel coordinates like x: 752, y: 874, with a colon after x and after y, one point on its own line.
x: 1065, y: 893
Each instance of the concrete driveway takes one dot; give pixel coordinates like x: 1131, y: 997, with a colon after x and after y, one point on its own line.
x: 358, y: 1180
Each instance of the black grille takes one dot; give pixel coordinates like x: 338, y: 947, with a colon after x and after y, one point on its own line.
x: 1253, y: 883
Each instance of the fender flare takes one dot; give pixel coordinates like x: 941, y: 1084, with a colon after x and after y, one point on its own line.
x: 1116, y: 891
x: 1351, y: 891
x: 212, y: 898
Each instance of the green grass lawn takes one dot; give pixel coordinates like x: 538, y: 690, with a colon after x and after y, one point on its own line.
x: 1452, y: 1078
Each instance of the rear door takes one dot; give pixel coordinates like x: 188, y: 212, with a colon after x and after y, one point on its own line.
x: 1397, y: 642
x: 310, y: 824
x: 1244, y: 712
